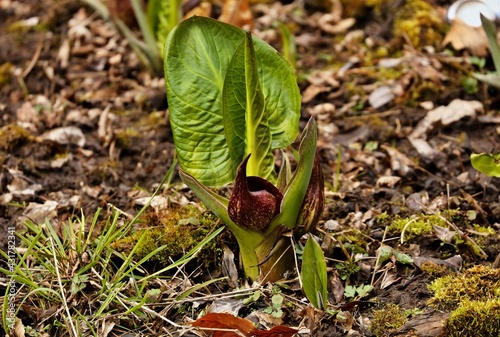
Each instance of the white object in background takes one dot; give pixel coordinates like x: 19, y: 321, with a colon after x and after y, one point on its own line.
x: 469, y: 11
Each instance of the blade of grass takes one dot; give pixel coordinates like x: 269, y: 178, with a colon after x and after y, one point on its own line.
x: 151, y: 48
x: 191, y: 290
x: 63, y: 296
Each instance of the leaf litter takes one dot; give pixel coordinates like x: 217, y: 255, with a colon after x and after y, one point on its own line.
x: 83, y: 126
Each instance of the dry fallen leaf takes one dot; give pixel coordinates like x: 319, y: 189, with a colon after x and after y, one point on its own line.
x: 19, y: 330
x: 446, y: 115
x: 221, y: 325
x: 277, y: 331
x: 328, y: 23
x: 203, y: 9
x: 237, y: 13
x: 462, y: 36
x: 229, y: 268
x: 66, y: 135
x: 381, y: 96
x: 225, y: 321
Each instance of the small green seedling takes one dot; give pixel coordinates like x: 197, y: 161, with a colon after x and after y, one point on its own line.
x: 275, y: 308
x: 353, y: 292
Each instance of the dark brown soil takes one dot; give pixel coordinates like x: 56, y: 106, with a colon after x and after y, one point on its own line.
x: 121, y: 111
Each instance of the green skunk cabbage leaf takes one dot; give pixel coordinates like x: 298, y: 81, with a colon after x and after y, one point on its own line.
x: 198, y: 53
x: 313, y: 273
x: 486, y: 163
x: 245, y: 121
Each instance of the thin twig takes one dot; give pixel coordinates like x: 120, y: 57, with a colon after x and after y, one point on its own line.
x: 296, y: 262
x: 456, y: 229
x: 30, y: 67
x: 375, y: 268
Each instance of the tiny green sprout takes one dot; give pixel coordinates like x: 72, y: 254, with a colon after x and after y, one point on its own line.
x: 78, y: 283
x: 469, y: 84
x: 479, y: 62
x: 346, y: 269
x: 471, y: 215
x: 275, y: 308
x: 154, y: 22
x: 353, y: 292
x: 252, y: 298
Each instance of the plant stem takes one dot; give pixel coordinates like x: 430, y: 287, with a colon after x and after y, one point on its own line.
x: 248, y: 242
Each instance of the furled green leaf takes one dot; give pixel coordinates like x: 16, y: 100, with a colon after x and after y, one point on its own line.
x: 295, y: 191
x: 285, y: 172
x: 486, y: 163
x: 197, y: 55
x: 490, y: 29
x: 491, y: 33
x: 314, y: 200
x: 314, y: 277
x: 162, y: 17
x: 245, y: 121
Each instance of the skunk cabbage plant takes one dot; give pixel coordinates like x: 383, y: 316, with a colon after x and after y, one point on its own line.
x: 233, y: 101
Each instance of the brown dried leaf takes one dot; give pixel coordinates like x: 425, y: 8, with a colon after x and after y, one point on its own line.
x: 229, y: 268
x: 277, y: 331
x: 237, y: 13
x: 329, y: 23
x: 203, y: 9
x: 18, y: 330
x: 462, y: 36
x: 336, y: 286
x: 227, y: 322
x: 446, y: 115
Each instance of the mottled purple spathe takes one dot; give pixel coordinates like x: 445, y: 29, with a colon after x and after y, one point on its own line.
x: 312, y: 206
x: 254, y: 201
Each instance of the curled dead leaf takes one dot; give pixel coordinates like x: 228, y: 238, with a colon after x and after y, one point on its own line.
x: 227, y: 325
x: 225, y: 322
x: 462, y: 36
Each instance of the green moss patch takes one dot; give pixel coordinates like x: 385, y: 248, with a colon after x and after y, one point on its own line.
x: 479, y: 283
x: 474, y: 318
x: 180, y: 229
x: 387, y: 319
x: 12, y: 135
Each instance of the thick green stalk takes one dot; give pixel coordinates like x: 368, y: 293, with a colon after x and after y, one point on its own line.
x: 248, y: 240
